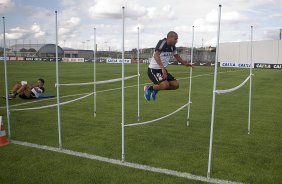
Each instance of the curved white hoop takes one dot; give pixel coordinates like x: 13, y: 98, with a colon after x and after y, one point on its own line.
x: 53, y: 105
x: 235, y: 88
x: 98, y: 82
x: 151, y: 121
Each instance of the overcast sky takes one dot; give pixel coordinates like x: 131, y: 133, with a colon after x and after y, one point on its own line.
x: 33, y: 21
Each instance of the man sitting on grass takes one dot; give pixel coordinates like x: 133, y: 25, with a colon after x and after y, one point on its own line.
x: 26, y: 91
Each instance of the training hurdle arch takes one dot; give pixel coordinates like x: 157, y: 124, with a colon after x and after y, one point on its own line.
x: 215, y: 91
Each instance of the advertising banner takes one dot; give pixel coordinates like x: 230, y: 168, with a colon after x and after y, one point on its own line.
x: 269, y: 66
x: 13, y: 58
x: 2, y: 58
x: 110, y: 60
x: 20, y: 58
x: 235, y: 65
x: 73, y: 59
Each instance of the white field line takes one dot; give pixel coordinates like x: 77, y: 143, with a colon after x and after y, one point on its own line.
x: 35, y: 101
x: 126, y: 164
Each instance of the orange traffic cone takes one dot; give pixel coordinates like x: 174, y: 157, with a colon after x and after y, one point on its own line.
x: 3, y: 140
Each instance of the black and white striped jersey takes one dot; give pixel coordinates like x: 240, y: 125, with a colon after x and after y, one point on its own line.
x: 36, y: 91
x: 166, y: 51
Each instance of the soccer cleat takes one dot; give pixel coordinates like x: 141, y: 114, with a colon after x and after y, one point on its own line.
x: 147, y: 92
x: 154, y: 93
x: 10, y: 96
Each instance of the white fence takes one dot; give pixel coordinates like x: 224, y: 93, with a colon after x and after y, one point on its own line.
x: 266, y: 54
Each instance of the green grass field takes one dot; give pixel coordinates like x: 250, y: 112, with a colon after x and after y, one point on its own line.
x: 237, y: 156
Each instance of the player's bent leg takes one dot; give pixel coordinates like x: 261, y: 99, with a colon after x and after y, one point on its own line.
x: 26, y: 90
x: 164, y: 85
x: 154, y: 94
x: 173, y: 85
x: 14, y: 93
x: 22, y: 88
x: 16, y: 87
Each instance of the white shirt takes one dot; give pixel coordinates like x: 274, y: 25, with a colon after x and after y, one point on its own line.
x: 36, y: 92
x: 166, y: 51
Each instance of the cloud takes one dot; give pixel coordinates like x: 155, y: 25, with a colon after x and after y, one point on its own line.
x: 68, y: 28
x: 276, y: 15
x: 134, y: 28
x: 6, y: 5
x: 37, y: 31
x: 18, y: 29
x: 34, y: 31
x: 14, y: 36
x: 209, y: 23
x: 36, y: 14
x: 35, y: 28
x: 271, y: 34
x: 211, y: 42
x: 108, y: 9
x: 160, y: 13
x: 232, y: 17
x: 201, y: 25
x: 16, y: 33
x: 113, y: 9
x: 186, y: 29
x: 39, y: 34
x: 68, y: 2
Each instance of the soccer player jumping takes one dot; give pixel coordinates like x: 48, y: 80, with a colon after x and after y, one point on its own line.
x: 157, y: 71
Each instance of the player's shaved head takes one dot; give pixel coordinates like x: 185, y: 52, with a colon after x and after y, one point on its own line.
x: 172, y: 38
x: 171, y: 34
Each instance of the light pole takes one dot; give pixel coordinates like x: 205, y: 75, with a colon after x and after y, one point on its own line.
x: 106, y: 46
x: 83, y: 45
x: 16, y: 47
x: 87, y: 41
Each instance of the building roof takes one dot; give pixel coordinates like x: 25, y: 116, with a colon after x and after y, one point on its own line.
x: 50, y: 49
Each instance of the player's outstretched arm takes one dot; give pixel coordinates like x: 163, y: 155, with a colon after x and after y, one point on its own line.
x: 179, y: 59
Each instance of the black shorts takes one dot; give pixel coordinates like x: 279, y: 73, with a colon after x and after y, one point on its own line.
x: 156, y: 76
x: 23, y: 96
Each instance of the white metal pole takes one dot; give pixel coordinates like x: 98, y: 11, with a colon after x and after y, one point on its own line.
x: 122, y: 95
x: 58, y: 88
x: 94, y: 65
x: 214, y: 89
x: 191, y: 74
x: 138, y: 71
x: 6, y: 80
x: 250, y: 90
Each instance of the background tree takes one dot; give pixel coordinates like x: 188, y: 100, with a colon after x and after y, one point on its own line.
x: 23, y: 50
x: 31, y: 50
